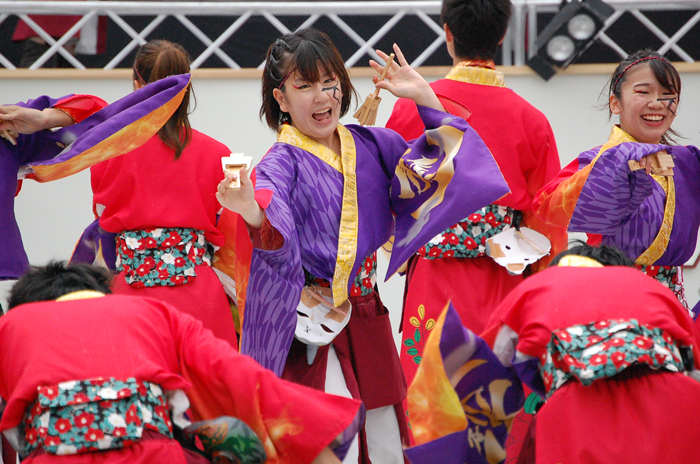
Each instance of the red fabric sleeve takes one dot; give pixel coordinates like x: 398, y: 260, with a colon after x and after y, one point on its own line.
x: 80, y: 107
x: 548, y: 166
x: 270, y: 237
x: 554, y: 204
x: 294, y: 423
x: 405, y: 120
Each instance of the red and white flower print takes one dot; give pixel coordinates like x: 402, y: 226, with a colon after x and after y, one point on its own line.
x: 78, y: 419
x: 172, y: 252
x: 366, y: 277
x: 466, y: 239
x: 603, y: 349
x: 83, y: 420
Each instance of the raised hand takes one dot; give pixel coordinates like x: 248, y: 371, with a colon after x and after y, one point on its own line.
x: 240, y: 200
x: 404, y: 81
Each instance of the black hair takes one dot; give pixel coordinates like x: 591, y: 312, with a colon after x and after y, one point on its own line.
x: 478, y: 26
x: 156, y: 60
x: 663, y: 70
x: 46, y: 283
x: 604, y: 254
x: 303, y: 52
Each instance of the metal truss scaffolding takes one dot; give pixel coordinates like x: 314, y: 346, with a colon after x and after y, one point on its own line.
x: 351, y: 18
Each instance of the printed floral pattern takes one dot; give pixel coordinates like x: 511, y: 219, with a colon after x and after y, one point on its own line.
x: 467, y: 238
x: 160, y: 257
x: 670, y: 277
x: 364, y: 281
x: 603, y: 349
x: 366, y: 277
x: 93, y: 415
x: 416, y: 345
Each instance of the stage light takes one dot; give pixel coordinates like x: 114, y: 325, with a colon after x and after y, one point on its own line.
x: 572, y: 30
x: 581, y: 27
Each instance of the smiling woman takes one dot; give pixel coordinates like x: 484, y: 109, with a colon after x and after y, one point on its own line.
x: 645, y: 94
x: 637, y: 192
x: 326, y: 197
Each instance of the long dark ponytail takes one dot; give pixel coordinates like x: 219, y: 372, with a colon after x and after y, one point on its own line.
x: 158, y: 59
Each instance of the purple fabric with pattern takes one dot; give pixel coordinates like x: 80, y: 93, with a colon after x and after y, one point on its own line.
x: 460, y: 347
x: 29, y: 148
x: 627, y: 208
x: 42, y: 148
x: 306, y: 210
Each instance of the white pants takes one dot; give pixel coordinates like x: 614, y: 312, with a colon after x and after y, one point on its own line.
x: 5, y: 286
x: 381, y: 426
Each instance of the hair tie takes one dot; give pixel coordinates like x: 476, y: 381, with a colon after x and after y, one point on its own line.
x: 646, y: 58
x: 286, y: 77
x: 139, y: 76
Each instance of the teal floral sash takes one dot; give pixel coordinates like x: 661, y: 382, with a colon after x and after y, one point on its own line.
x: 94, y: 415
x: 364, y: 281
x: 670, y: 277
x: 160, y: 257
x: 467, y: 238
x: 603, y: 349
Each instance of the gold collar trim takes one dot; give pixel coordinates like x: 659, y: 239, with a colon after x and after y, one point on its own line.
x: 578, y: 261
x: 465, y: 72
x: 618, y: 135
x: 80, y: 295
x: 293, y: 136
x: 349, y: 216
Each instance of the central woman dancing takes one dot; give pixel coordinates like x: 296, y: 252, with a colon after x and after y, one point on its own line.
x: 323, y: 200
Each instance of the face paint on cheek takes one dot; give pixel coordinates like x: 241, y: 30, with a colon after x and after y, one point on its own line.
x: 671, y: 102
x: 335, y: 90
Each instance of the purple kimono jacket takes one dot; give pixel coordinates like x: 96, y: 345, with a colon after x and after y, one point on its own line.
x: 333, y: 211
x: 627, y: 208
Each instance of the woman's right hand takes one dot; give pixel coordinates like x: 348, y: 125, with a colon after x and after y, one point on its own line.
x: 662, y: 159
x: 240, y: 200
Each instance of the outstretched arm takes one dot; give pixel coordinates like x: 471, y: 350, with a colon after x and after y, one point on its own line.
x: 29, y: 120
x: 404, y: 81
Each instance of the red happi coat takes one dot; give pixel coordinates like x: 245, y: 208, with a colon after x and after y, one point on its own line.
x: 148, y: 188
x: 642, y: 419
x: 121, y: 337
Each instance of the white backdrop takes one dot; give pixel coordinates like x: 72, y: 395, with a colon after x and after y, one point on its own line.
x: 52, y: 216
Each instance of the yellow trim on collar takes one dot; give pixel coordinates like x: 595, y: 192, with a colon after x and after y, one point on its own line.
x: 349, y: 216
x: 293, y: 136
x: 578, y: 261
x: 80, y: 295
x: 463, y: 72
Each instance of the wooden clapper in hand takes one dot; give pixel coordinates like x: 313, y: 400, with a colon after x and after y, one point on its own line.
x: 366, y: 115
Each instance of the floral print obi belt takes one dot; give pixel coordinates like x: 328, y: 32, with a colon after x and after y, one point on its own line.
x: 160, y: 257
x: 604, y: 349
x: 94, y: 415
x: 364, y: 281
x: 467, y: 238
x: 670, y: 277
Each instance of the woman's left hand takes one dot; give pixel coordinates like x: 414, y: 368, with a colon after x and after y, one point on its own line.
x: 404, y: 81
